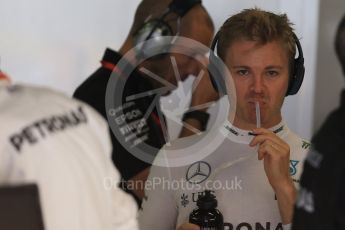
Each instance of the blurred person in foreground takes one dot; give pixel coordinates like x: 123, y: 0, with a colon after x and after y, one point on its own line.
x: 63, y: 146
x: 321, y: 200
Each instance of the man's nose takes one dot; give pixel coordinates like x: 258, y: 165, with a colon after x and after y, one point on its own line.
x: 257, y: 84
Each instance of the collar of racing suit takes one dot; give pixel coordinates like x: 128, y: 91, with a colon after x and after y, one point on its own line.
x: 245, y: 136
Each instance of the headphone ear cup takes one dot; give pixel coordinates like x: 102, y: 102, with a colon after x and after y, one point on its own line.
x: 216, y: 74
x: 298, y: 70
x: 154, y: 29
x: 297, y: 77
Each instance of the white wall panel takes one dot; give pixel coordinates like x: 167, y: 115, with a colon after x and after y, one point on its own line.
x: 59, y: 43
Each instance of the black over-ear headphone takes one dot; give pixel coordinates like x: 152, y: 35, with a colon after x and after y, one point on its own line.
x: 157, y: 28
x: 218, y: 81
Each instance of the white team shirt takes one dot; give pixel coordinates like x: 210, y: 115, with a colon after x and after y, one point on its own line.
x: 63, y: 146
x: 232, y: 172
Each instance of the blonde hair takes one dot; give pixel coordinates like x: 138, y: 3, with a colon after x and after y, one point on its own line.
x: 257, y: 25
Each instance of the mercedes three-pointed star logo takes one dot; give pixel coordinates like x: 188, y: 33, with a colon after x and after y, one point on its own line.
x: 198, y: 172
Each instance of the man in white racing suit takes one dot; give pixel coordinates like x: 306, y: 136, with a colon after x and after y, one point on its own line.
x: 255, y: 161
x: 62, y: 146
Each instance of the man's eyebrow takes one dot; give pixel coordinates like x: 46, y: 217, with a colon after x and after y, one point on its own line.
x: 247, y: 67
x: 240, y: 67
x: 274, y: 67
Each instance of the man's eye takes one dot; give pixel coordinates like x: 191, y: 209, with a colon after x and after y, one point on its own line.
x: 242, y: 72
x: 272, y: 73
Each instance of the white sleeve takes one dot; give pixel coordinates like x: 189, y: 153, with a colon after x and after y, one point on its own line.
x: 124, y: 210
x: 159, y: 209
x: 123, y: 207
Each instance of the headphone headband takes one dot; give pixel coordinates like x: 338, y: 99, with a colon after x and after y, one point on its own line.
x: 215, y: 41
x: 300, y: 57
x: 157, y: 28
